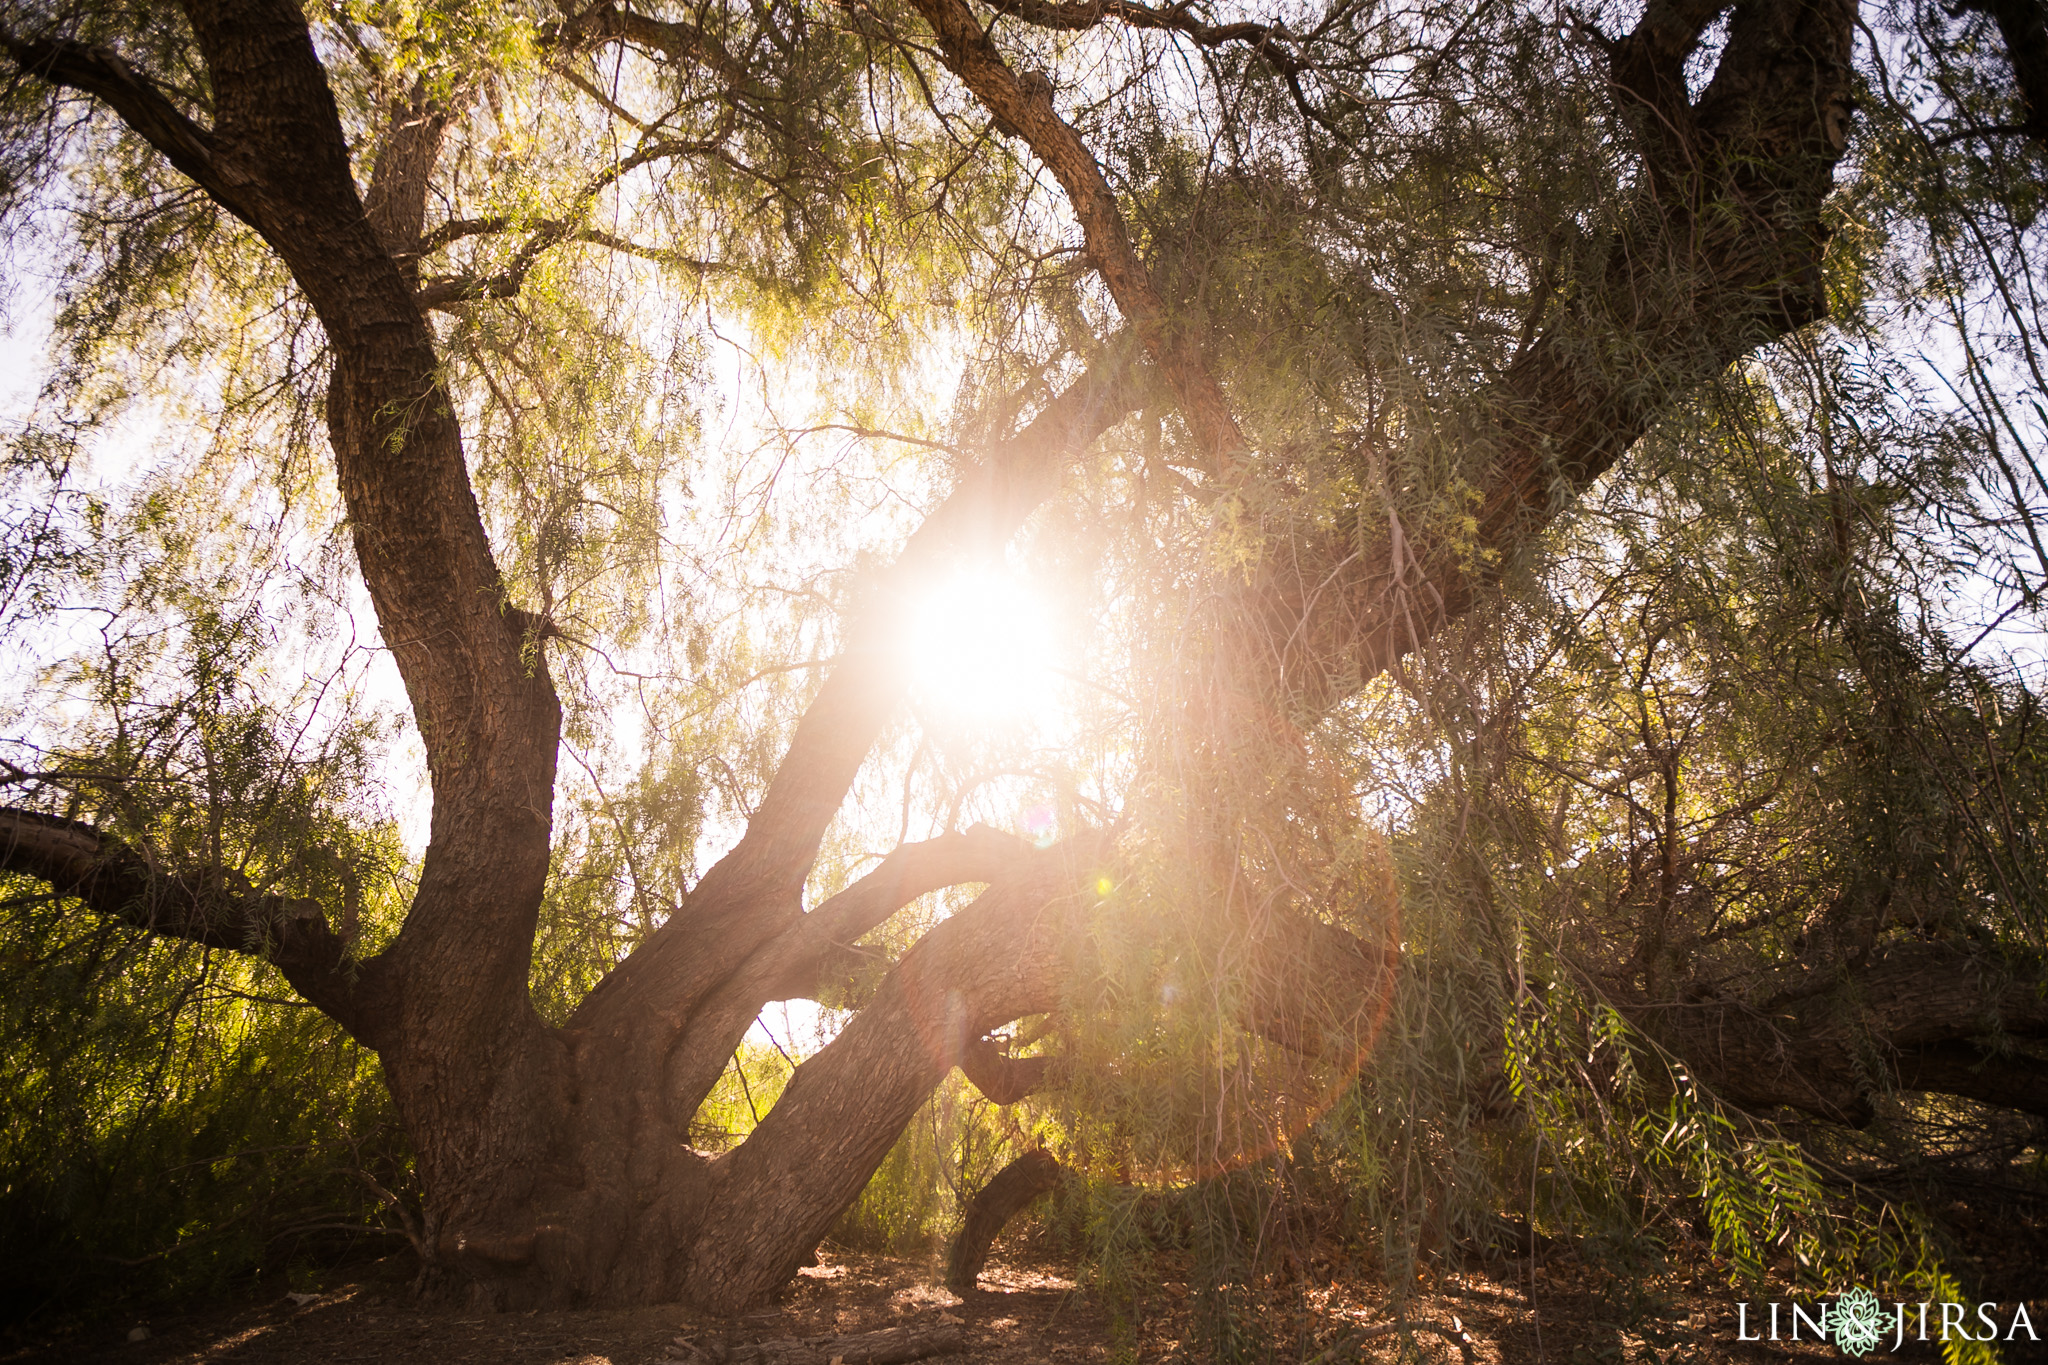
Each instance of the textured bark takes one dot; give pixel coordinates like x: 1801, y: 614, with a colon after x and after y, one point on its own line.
x: 396, y: 204
x: 819, y: 947
x: 1007, y: 955
x: 1937, y: 1017
x: 207, y: 907
x: 1721, y: 254
x: 1008, y: 1193
x: 479, y: 1082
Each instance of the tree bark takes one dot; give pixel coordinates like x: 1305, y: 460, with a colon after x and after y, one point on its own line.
x: 208, y: 907
x: 1941, y: 1017
x: 1008, y: 1193
x: 1721, y: 254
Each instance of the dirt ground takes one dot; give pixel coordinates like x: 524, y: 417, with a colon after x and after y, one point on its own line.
x: 1512, y: 1313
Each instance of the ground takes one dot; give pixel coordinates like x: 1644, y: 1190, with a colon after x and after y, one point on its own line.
x: 1561, y: 1311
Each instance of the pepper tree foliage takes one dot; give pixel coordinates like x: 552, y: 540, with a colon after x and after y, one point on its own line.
x: 1746, y: 739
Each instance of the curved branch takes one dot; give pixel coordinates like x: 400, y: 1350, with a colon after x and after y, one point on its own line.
x: 1009, y: 954
x: 980, y: 854
x: 1005, y: 1196
x: 1720, y: 254
x: 2009, y: 1080
x: 1023, y: 107
x: 1932, y: 1015
x: 136, y: 98
x: 213, y: 908
x: 1001, y: 1078
x: 678, y: 41
x: 447, y: 291
x: 1074, y: 16
x: 820, y: 947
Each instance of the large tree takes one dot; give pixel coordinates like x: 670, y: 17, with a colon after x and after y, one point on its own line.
x: 1369, y: 294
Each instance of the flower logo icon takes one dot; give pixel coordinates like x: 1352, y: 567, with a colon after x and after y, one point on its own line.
x: 1858, y: 1321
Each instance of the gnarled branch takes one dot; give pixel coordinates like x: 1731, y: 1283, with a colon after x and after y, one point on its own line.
x: 1008, y: 1193
x: 1001, y: 1078
x: 753, y: 894
x: 820, y: 947
x: 1928, y: 1016
x: 1009, y: 954
x: 213, y: 907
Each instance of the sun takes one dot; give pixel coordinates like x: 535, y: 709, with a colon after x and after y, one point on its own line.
x: 981, y: 647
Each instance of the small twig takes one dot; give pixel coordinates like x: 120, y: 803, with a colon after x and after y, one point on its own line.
x: 876, y: 434
x: 370, y: 1228
x: 1455, y: 1334
x: 407, y: 1225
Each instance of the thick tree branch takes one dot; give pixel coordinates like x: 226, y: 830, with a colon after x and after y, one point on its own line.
x: 1077, y: 15
x: 1001, y: 1078
x: 820, y: 947
x: 214, y: 908
x: 1013, y: 952
x: 1023, y: 106
x: 980, y: 854
x: 132, y: 95
x: 679, y: 41
x: 1720, y: 254
x: 1649, y: 63
x: 1018, y: 950
x: 487, y: 716
x: 1931, y: 1015
x: 1008, y: 1193
x: 404, y: 170
x: 1317, y: 990
x: 2008, y: 1080
x: 465, y: 1054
